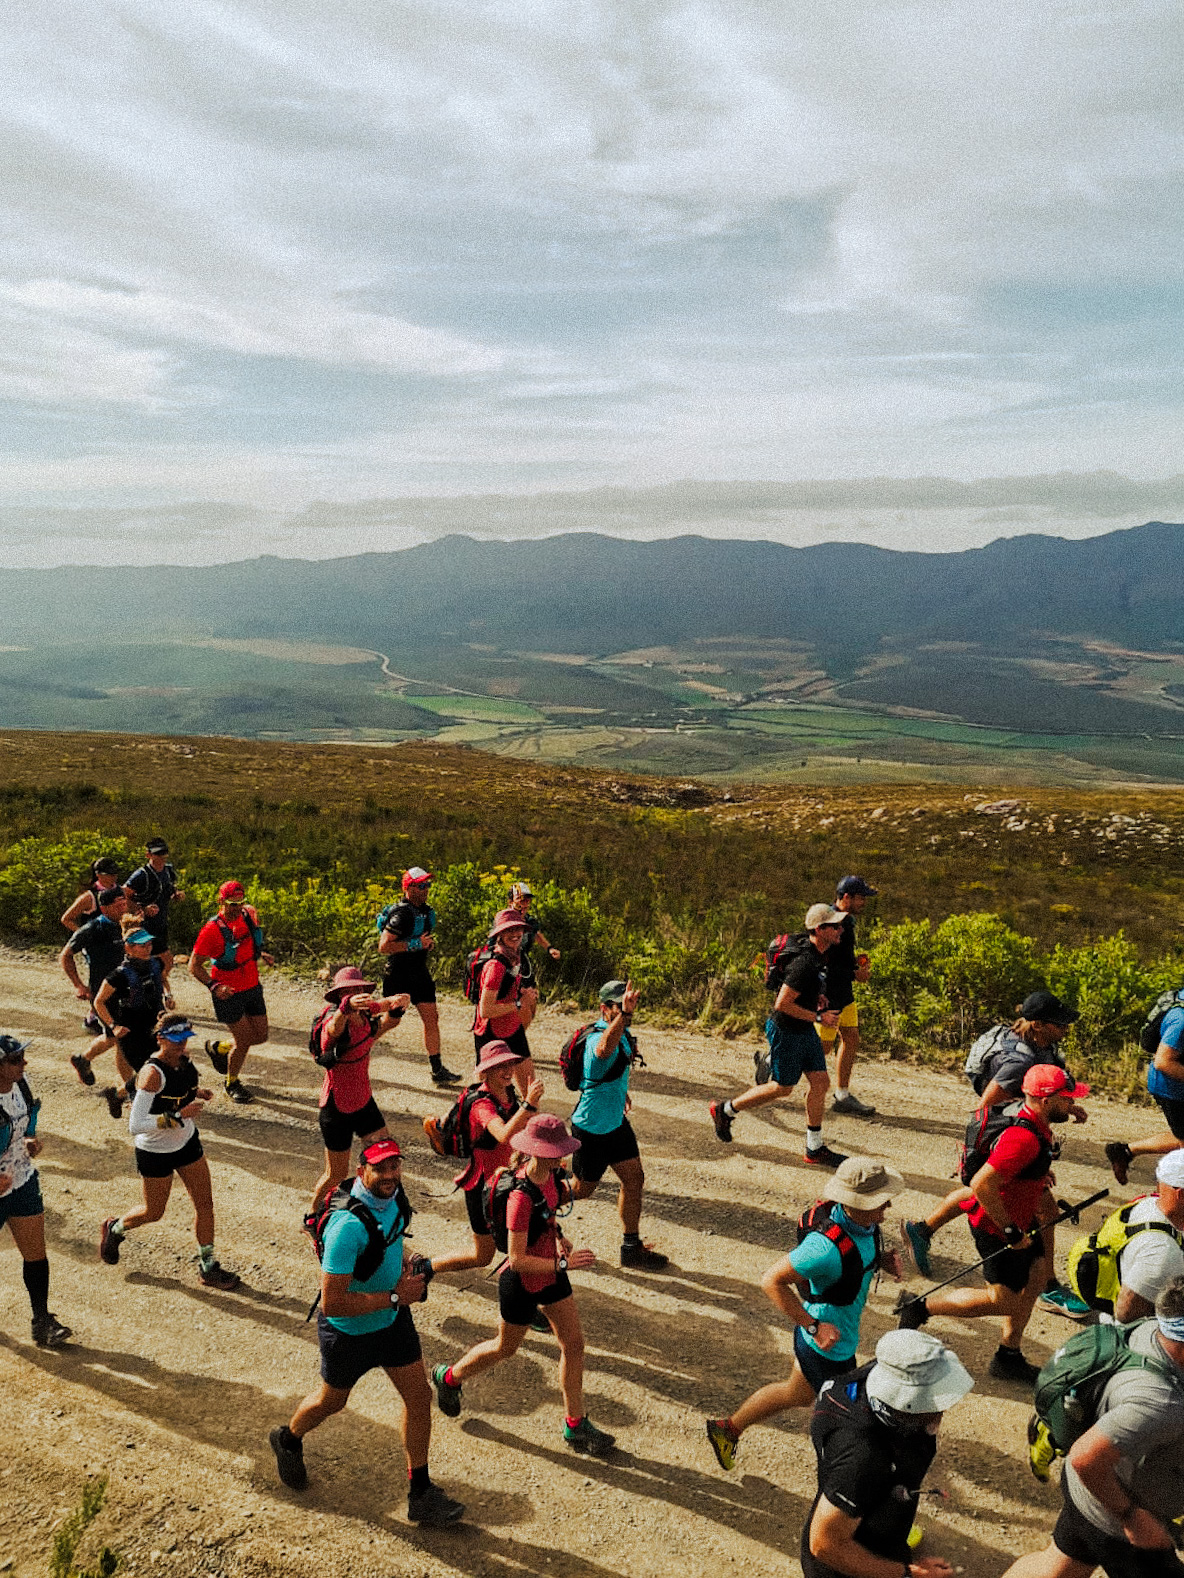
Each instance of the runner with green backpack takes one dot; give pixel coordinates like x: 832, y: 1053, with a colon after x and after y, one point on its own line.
x: 1111, y: 1402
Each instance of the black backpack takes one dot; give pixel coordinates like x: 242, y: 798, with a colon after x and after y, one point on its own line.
x: 571, y: 1059
x: 541, y: 1214
x: 985, y: 1126
x: 452, y: 1134
x: 330, y: 1056
x: 1149, y: 1035
x: 377, y: 1242
x: 819, y: 1218
x: 476, y: 963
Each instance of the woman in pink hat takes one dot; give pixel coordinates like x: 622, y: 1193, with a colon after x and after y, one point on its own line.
x: 505, y: 1005
x: 535, y: 1278
x: 494, y: 1116
x: 345, y: 1033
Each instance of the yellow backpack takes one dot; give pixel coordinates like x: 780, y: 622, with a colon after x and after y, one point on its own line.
x: 1093, y: 1269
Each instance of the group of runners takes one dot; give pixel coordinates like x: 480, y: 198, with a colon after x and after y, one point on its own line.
x: 873, y: 1426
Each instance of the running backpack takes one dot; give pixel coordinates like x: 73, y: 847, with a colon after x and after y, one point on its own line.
x: 1069, y: 1388
x: 819, y: 1218
x: 475, y: 964
x: 33, y: 1104
x: 1094, y: 1272
x: 330, y: 1056
x: 377, y: 1242
x: 999, y: 1038
x: 983, y: 1130
x: 228, y: 958
x: 1149, y: 1035
x: 571, y: 1059
x: 452, y: 1134
x: 541, y: 1215
x: 780, y: 953
x: 384, y: 916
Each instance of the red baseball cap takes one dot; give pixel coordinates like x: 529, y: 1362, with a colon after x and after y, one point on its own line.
x: 1050, y: 1079
x: 380, y: 1151
x: 232, y: 892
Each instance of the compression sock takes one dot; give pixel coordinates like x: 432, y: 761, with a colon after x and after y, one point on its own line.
x: 36, y: 1274
x: 205, y: 1253
x: 419, y: 1479
x: 814, y: 1139
x: 729, y: 1110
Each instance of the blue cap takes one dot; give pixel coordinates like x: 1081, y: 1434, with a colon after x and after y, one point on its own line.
x: 857, y: 887
x: 176, y: 1033
x: 139, y: 935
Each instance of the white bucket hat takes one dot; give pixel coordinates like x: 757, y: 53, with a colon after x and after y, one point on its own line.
x: 916, y: 1374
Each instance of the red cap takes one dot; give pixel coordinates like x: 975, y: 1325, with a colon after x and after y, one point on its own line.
x: 232, y: 892
x: 380, y: 1151
x: 1050, y: 1079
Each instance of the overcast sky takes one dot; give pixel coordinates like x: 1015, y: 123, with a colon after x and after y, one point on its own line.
x: 294, y: 257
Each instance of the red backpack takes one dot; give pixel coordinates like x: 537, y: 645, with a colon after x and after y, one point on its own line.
x: 819, y: 1218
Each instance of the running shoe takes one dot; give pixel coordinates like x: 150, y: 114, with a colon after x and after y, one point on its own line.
x: 910, y: 1311
x: 48, y: 1331
x: 218, y: 1277
x: 1041, y: 1451
x: 851, y: 1107
x: 114, y: 1099
x: 1060, y: 1300
x: 445, y: 1076
x: 586, y: 1438
x: 541, y: 1324
x: 94, y: 1024
x: 82, y: 1068
x: 447, y: 1394
x: 724, y: 1441
x: 1120, y: 1156
x: 723, y: 1124
x: 289, y: 1458
x: 220, y: 1059
x: 640, y: 1257
x: 1009, y: 1364
x: 916, y: 1238
x: 109, y: 1242
x: 825, y: 1157
x: 433, y: 1508
x: 238, y: 1092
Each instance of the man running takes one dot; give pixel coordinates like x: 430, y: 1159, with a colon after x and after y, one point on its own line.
x: 21, y: 1205
x: 150, y: 890
x: 601, y: 1120
x: 792, y: 1031
x: 1165, y: 1082
x: 225, y: 960
x: 127, y: 1006
x: 365, y: 1324
x: 1010, y: 1198
x: 101, y: 939
x: 822, y: 1286
x: 843, y: 968
x: 406, y: 938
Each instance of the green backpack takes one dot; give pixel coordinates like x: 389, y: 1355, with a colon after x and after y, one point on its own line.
x: 1069, y: 1388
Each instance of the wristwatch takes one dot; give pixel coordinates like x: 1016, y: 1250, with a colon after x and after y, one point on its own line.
x: 561, y: 1263
x: 812, y: 1329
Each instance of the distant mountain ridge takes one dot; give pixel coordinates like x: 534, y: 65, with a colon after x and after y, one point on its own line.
x: 595, y: 594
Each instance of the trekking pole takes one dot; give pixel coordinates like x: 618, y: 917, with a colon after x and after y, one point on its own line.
x: 1068, y: 1213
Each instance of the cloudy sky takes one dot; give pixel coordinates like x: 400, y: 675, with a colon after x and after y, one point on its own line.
x: 269, y: 268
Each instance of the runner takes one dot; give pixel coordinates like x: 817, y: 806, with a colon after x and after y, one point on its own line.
x: 104, y: 875
x: 1122, y: 1493
x: 150, y: 890
x: 1141, y: 1246
x: 601, y: 1120
x: 1165, y: 1081
x: 1010, y: 1199
x: 533, y: 1279
x: 231, y: 945
x: 127, y: 1006
x: 876, y: 1437
x: 101, y: 939
x: 21, y: 1205
x: 521, y: 899
x: 347, y: 1031
x: 505, y: 1006
x: 794, y: 1048
x: 843, y: 968
x: 822, y: 1286
x: 494, y: 1117
x: 406, y: 937
x: 167, y: 1100
x: 365, y: 1324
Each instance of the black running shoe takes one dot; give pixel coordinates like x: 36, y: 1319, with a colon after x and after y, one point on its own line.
x: 445, y: 1076
x: 114, y: 1099
x: 825, y: 1157
x: 109, y: 1242
x: 289, y: 1458
x: 447, y: 1393
x: 640, y: 1257
x: 82, y: 1068
x: 48, y: 1331
x: 723, y: 1124
x: 218, y: 1277
x: 1009, y: 1364
x: 433, y: 1508
x: 238, y: 1092
x: 1120, y: 1156
x: 220, y: 1059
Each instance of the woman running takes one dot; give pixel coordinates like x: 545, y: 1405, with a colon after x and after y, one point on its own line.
x: 494, y: 1116
x: 167, y: 1100
x: 535, y: 1278
x: 345, y: 1033
x: 20, y: 1188
x: 127, y: 1006
x: 104, y: 875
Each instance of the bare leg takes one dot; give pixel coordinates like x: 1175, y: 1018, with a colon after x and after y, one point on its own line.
x: 760, y: 1096
x: 412, y: 1386
x: 431, y: 1027
x: 196, y: 1178
x: 817, y: 1086
x: 481, y: 1255
x: 486, y: 1354
x: 629, y: 1198
x: 316, y: 1408
x: 564, y: 1319
x: 156, y: 1199
x: 848, y: 1052
x: 1155, y: 1145
x: 1048, y: 1563
x: 28, y: 1234
x: 950, y: 1209
x: 251, y: 1030
x: 336, y: 1171
x: 775, y: 1398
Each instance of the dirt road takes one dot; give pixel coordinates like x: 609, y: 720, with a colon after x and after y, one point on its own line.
x: 172, y: 1390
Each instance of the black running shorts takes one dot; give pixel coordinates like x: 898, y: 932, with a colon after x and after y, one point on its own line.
x: 598, y: 1152
x: 162, y: 1164
x: 229, y: 1010
x: 339, y: 1128
x: 347, y: 1356
x: 517, y: 1307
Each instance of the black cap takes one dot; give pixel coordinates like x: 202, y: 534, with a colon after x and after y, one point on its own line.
x: 105, y: 897
x: 107, y: 866
x: 1047, y: 1007
x: 156, y: 846
x: 856, y: 886
x: 11, y: 1048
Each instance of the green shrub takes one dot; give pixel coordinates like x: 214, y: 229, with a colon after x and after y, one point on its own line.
x: 40, y: 878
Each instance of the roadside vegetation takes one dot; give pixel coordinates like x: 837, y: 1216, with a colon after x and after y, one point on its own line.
x: 675, y: 885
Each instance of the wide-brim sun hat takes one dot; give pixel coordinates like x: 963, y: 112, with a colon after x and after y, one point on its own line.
x: 914, y: 1373
x: 546, y: 1136
x: 863, y: 1183
x: 495, y: 1054
x: 348, y: 979
x: 506, y: 920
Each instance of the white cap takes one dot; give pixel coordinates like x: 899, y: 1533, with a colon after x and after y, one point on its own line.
x: 1171, y: 1168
